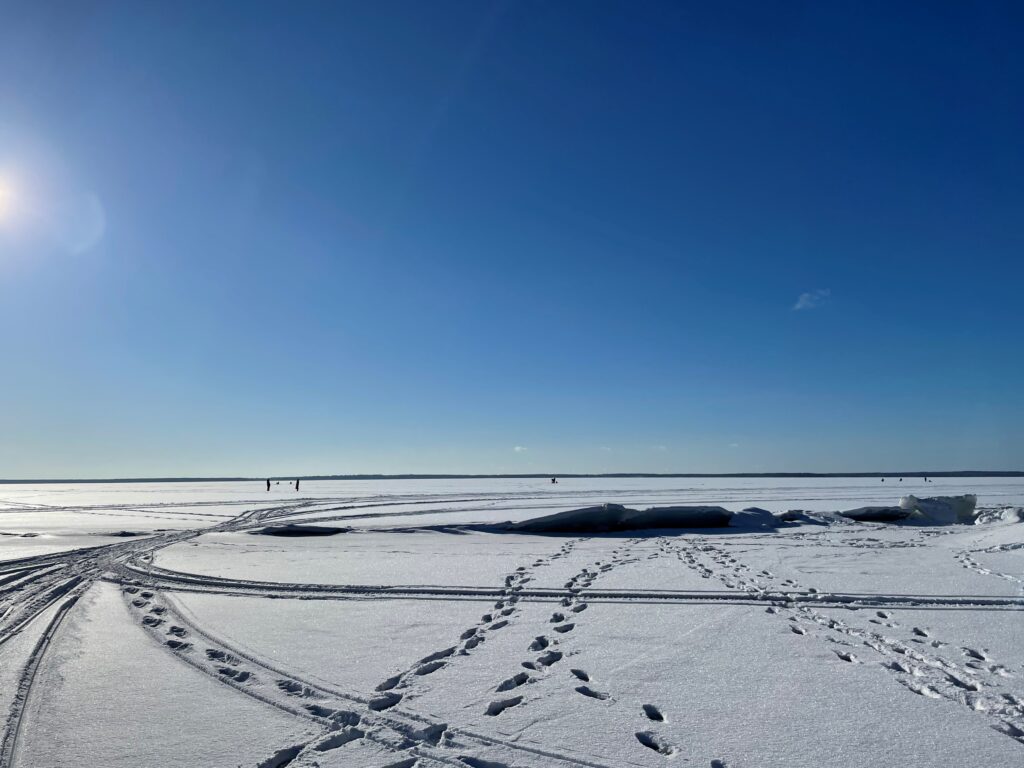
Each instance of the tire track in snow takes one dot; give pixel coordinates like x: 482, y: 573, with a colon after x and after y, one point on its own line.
x: 396, y: 729
x: 185, y: 582
x: 12, y: 727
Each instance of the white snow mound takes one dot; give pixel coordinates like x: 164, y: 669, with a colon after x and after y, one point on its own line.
x: 946, y: 510
x: 1000, y: 515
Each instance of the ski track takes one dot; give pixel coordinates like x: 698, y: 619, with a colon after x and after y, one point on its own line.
x: 387, y: 717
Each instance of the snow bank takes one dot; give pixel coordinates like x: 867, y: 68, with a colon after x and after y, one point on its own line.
x: 753, y: 517
x: 945, y: 510
x: 299, y: 530
x: 679, y: 517
x: 941, y: 510
x: 615, y: 517
x: 805, y: 516
x: 999, y: 515
x: 876, y: 514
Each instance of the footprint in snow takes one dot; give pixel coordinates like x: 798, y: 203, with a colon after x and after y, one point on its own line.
x: 549, y: 658
x: 339, y: 739
x: 513, y: 682
x: 215, y: 655
x: 478, y: 762
x: 442, y: 654
x: 238, y: 675
x: 294, y: 688
x: 653, y: 713
x: 429, y: 668
x: 654, y: 741
x: 340, y: 716
x: 385, y: 701
x: 495, y: 708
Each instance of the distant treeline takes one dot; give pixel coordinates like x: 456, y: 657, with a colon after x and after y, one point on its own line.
x: 535, y: 475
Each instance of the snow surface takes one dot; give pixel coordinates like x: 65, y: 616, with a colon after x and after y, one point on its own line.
x: 430, y: 634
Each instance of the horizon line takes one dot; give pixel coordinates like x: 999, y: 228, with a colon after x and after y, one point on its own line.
x: 515, y: 476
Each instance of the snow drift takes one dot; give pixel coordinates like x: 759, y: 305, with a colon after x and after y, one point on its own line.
x: 878, y: 514
x: 294, y: 529
x: 754, y: 518
x: 939, y: 510
x: 999, y: 515
x: 603, y: 518
x: 615, y: 517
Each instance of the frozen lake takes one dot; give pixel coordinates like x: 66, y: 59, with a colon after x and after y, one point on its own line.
x: 146, y: 624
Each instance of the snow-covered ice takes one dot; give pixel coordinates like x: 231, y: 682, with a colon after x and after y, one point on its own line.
x: 145, y: 624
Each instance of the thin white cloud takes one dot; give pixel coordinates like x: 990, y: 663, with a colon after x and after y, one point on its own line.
x: 812, y: 299
x: 519, y: 449
x: 605, y: 448
x: 661, y: 448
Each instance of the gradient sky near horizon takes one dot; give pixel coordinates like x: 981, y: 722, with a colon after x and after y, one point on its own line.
x: 444, y: 236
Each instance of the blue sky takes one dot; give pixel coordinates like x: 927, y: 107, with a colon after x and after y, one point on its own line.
x: 464, y: 236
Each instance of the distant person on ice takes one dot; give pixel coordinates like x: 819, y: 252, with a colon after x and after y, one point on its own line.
x: 554, y: 479
x: 296, y: 484
x: 268, y: 484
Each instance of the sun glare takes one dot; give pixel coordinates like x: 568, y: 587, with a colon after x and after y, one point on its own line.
x: 7, y: 201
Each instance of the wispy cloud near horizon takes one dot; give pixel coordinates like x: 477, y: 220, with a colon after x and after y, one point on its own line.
x: 519, y: 448
x: 812, y: 299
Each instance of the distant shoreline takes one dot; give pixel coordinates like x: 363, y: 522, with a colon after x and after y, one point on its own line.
x: 541, y: 475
